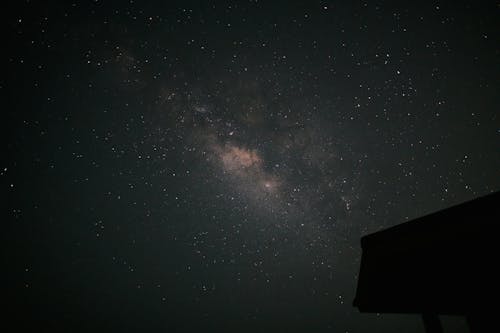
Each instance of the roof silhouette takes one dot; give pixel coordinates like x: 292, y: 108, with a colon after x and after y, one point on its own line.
x: 441, y: 263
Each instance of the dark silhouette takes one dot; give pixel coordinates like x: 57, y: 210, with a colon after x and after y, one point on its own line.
x: 442, y: 263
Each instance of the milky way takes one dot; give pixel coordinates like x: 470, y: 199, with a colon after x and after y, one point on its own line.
x: 273, y: 161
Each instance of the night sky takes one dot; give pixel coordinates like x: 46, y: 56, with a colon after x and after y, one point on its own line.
x: 210, y: 166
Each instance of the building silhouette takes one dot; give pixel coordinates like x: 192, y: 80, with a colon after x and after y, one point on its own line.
x: 442, y: 263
